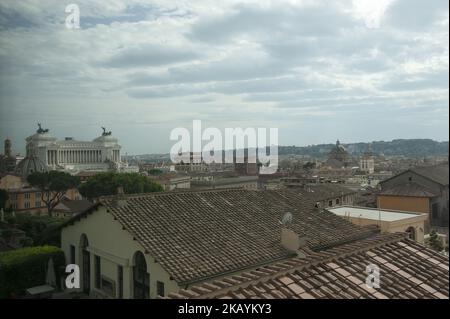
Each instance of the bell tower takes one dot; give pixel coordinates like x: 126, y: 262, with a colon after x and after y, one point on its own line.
x: 8, y: 145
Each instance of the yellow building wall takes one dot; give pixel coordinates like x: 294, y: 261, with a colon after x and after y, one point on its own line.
x: 418, y: 226
x: 404, y: 203
x: 73, y: 194
x: 32, y: 196
x: 18, y: 200
x: 10, y: 181
x: 115, y: 246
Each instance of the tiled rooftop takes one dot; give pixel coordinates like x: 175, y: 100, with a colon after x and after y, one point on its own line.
x: 407, y: 270
x: 408, y: 189
x: 437, y: 173
x: 322, y: 192
x: 199, y: 235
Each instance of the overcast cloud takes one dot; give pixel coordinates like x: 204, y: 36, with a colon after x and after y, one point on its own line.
x: 318, y: 70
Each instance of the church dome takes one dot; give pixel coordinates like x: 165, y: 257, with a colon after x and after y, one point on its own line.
x: 338, y: 153
x: 339, y: 147
x: 30, y: 164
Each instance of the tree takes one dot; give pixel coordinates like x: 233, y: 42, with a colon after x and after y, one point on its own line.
x: 3, y: 198
x: 434, y: 242
x: 309, y: 165
x: 53, y: 186
x: 104, y: 184
x: 155, y: 171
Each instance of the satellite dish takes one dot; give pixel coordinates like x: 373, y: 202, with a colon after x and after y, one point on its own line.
x: 287, y: 219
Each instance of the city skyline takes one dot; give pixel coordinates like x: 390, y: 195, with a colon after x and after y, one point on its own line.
x: 354, y: 71
x: 22, y: 152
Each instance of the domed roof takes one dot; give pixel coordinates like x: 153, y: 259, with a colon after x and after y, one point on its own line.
x: 339, y: 147
x: 29, y: 165
x: 338, y: 152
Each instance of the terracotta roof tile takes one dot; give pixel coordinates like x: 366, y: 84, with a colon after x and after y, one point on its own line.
x: 306, y: 295
x: 286, y: 280
x: 296, y: 289
x: 344, y: 276
x: 408, y: 189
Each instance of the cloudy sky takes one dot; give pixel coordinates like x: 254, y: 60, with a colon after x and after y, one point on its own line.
x: 318, y: 70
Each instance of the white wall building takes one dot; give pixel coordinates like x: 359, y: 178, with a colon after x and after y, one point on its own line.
x: 101, y: 154
x: 389, y: 221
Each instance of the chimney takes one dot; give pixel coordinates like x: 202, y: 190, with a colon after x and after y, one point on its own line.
x: 119, y: 198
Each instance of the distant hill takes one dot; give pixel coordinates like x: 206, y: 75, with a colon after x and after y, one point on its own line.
x: 409, y: 147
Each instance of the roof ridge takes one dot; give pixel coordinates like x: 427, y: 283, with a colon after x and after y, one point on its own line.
x: 193, y: 191
x: 170, y: 193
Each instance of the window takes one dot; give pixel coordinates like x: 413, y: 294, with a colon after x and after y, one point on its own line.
x: 72, y: 254
x: 27, y: 195
x: 27, y: 204
x: 85, y: 263
x: 98, y: 273
x: 37, y: 195
x: 337, y: 201
x: 411, y: 233
x: 141, y: 279
x: 160, y: 288
x: 37, y: 203
x: 120, y: 282
x: 330, y: 203
x: 410, y: 178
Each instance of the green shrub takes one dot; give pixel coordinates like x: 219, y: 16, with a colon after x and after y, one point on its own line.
x: 27, y: 267
x: 43, y: 230
x: 434, y: 242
